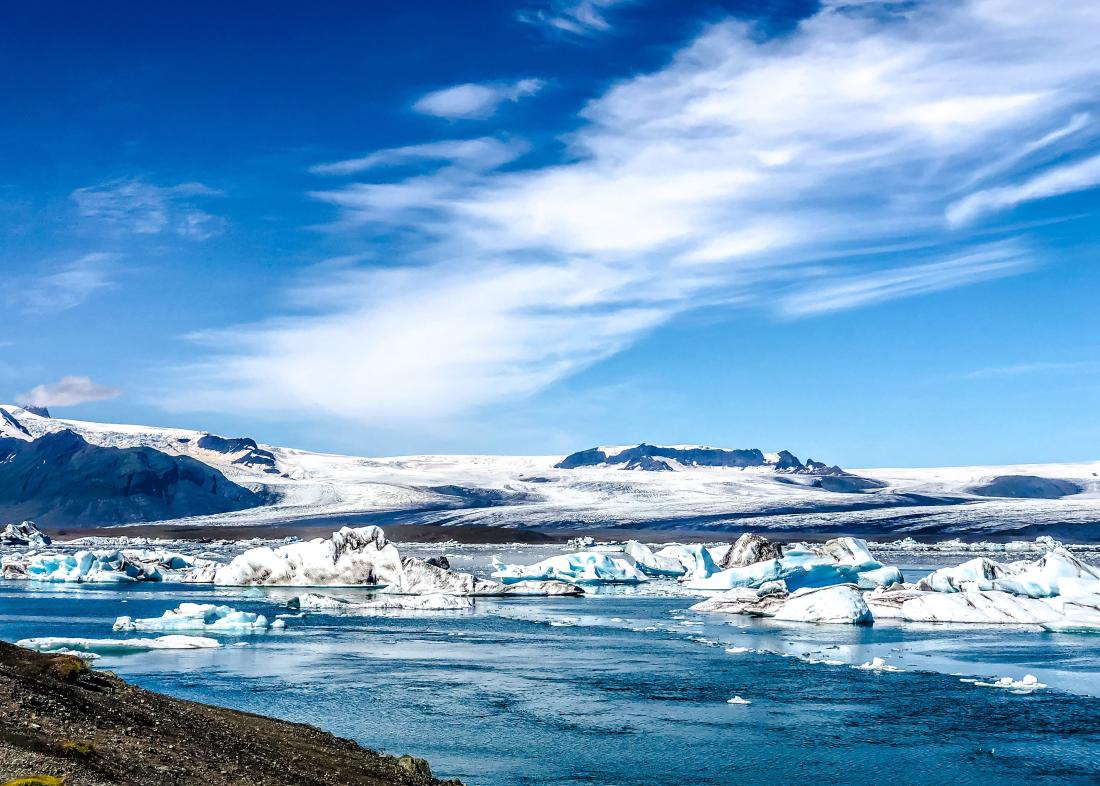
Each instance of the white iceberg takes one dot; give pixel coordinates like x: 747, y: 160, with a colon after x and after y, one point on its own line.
x: 350, y: 558
x: 1028, y: 684
x: 1055, y: 573
x: 56, y: 644
x: 582, y: 567
x: 200, y: 617
x: 991, y: 607
x: 837, y: 604
x: 24, y: 534
x: 651, y: 564
x: 738, y: 700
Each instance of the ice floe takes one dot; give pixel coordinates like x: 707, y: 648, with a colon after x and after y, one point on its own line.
x: 1026, y: 685
x: 738, y: 700
x: 877, y: 664
x: 433, y: 602
x: 198, y: 617
x: 56, y: 644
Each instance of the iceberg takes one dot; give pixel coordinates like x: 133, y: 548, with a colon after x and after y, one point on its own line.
x: 988, y: 607
x: 839, y: 561
x: 349, y: 558
x: 738, y: 700
x: 93, y: 567
x: 582, y: 567
x: 419, y: 577
x: 1055, y: 573
x: 24, y: 534
x: 836, y: 604
x: 106, y: 566
x: 118, y: 646
x: 749, y: 549
x: 200, y: 617
x: 651, y: 564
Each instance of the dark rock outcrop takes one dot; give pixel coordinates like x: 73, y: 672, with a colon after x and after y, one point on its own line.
x: 253, y: 454
x: 60, y: 479
x: 61, y: 719
x: 649, y: 457
x: 748, y: 550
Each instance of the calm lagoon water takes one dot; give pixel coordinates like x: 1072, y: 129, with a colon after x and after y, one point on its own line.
x: 625, y: 687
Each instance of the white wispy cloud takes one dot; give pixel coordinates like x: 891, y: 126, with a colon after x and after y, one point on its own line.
x: 482, y: 154
x: 583, y: 18
x: 1078, y: 176
x: 475, y: 100
x: 67, y: 391
x: 994, y: 261
x: 138, y: 207
x: 802, y: 174
x: 65, y: 286
x: 1028, y: 369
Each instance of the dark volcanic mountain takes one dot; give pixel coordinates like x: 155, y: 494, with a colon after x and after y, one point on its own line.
x: 60, y: 479
x: 648, y: 458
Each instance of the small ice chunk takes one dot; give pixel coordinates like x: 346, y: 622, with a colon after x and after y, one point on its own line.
x: 738, y: 700
x: 877, y: 664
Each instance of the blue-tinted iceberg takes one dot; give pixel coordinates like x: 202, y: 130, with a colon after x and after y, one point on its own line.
x: 198, y: 617
x: 839, y: 561
x: 582, y: 567
x: 107, y: 566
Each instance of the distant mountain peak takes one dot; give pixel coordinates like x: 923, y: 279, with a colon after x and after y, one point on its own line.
x: 657, y: 458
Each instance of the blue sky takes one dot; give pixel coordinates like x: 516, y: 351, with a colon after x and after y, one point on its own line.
x: 863, y: 232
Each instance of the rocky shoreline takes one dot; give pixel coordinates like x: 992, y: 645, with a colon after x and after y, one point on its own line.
x: 61, y: 719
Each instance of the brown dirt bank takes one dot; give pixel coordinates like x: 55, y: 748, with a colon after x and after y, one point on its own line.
x: 59, y: 718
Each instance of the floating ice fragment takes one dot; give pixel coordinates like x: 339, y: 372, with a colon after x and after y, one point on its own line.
x: 198, y: 617
x: 119, y: 646
x: 877, y: 664
x: 738, y: 700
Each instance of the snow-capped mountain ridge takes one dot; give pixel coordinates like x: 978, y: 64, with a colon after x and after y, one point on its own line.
x: 531, y: 491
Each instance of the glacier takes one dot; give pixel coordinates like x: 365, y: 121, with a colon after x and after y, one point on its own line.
x: 934, y: 502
